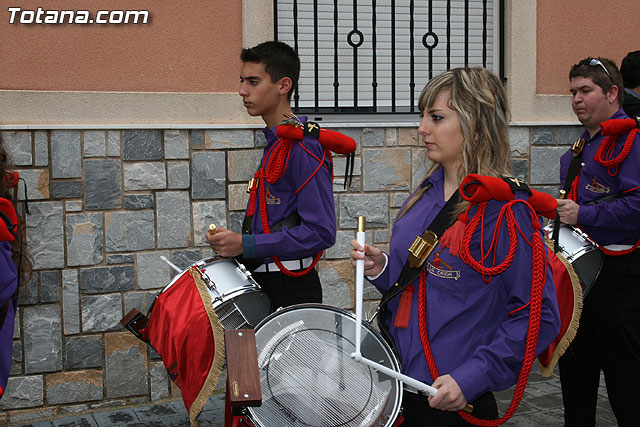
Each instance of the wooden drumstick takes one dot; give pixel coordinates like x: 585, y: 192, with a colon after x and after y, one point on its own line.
x: 212, y: 229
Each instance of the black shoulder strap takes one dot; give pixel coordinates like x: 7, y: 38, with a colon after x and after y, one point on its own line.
x: 575, y: 165
x: 574, y: 170
x: 439, y: 225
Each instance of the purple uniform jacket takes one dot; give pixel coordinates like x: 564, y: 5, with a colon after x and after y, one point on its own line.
x: 615, y: 221
x: 473, y: 337
x: 314, y: 204
x: 8, y: 284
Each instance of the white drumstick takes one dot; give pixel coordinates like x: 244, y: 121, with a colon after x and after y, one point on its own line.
x: 172, y: 265
x: 356, y: 354
x: 400, y: 377
x: 360, y: 236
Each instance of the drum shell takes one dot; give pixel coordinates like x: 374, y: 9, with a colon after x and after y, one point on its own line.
x: 236, y: 297
x: 583, y: 254
x: 294, y: 393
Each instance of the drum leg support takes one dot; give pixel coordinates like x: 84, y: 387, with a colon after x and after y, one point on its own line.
x: 243, y: 376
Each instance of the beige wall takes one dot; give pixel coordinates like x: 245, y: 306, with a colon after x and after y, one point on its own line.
x: 181, y: 69
x: 178, y: 50
x: 544, y: 38
x: 540, y: 48
x: 564, y: 37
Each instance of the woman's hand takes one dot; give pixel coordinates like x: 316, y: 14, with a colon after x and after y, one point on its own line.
x: 449, y: 396
x: 374, y: 259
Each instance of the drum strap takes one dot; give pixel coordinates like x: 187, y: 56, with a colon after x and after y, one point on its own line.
x: 410, y: 270
x: 574, y: 170
x: 289, y: 221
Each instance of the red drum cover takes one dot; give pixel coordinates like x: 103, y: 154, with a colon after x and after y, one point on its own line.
x: 569, y: 294
x: 185, y: 331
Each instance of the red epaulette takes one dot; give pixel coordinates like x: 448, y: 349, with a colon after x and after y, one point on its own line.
x: 612, y: 129
x: 332, y: 140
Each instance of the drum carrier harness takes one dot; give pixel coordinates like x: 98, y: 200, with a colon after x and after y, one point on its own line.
x: 612, y: 129
x: 290, y: 132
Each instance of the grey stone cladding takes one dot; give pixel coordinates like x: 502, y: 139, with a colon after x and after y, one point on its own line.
x: 105, y: 205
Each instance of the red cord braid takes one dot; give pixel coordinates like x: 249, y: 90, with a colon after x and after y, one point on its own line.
x: 279, y: 159
x: 573, y: 191
x: 538, y: 278
x: 606, y: 148
x: 321, y: 164
x: 465, y: 253
x: 262, y: 202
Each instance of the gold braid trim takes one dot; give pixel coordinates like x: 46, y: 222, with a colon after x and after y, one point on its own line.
x: 572, y: 329
x: 218, y: 358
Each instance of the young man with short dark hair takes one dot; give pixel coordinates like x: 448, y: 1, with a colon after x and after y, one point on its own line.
x: 292, y: 190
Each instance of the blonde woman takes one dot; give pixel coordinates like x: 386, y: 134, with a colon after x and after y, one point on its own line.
x: 462, y: 325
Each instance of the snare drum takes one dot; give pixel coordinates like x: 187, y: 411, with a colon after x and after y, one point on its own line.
x: 308, y: 377
x: 236, y: 297
x: 582, y: 252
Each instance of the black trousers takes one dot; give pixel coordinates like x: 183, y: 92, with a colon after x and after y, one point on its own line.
x: 417, y: 412
x: 608, y: 339
x: 286, y: 290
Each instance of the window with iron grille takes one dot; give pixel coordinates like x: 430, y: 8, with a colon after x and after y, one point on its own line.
x: 375, y: 56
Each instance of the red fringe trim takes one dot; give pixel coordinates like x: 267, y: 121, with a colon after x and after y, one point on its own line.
x: 452, y: 237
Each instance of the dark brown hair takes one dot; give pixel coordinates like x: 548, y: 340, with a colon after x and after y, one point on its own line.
x: 279, y: 59
x: 606, y: 80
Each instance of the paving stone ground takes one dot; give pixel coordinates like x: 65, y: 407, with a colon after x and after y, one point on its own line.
x: 540, y: 406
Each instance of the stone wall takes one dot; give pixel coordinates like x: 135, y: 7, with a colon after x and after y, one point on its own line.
x: 105, y: 205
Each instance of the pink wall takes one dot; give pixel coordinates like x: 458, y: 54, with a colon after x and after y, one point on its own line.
x: 570, y: 30
x: 188, y: 46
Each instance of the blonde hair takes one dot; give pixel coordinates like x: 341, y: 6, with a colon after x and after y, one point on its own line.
x: 479, y: 98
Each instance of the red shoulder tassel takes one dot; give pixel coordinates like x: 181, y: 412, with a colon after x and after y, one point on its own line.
x: 452, y: 238
x: 404, y: 309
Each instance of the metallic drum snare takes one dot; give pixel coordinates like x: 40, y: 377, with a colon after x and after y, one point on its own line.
x: 308, y: 377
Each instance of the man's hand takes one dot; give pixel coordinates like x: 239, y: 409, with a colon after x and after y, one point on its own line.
x: 449, y: 396
x: 225, y: 242
x: 568, y: 211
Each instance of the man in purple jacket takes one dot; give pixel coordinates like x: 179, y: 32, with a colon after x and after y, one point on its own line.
x: 605, y: 203
x: 292, y: 190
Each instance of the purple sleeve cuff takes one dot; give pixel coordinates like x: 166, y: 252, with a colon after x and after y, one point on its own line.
x: 586, y: 214
x: 249, y: 246
x: 381, y: 281
x: 471, y: 379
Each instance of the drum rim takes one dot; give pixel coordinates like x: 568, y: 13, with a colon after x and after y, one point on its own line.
x: 393, y: 359
x: 205, y: 262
